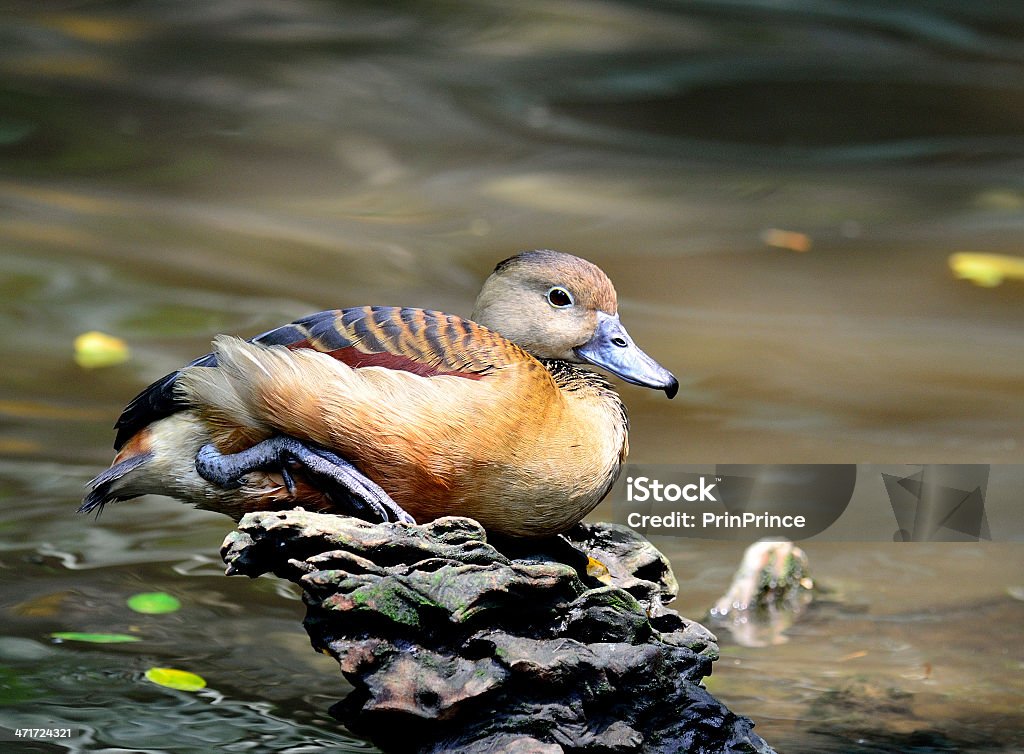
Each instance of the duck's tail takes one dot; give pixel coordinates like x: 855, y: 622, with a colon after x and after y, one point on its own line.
x: 114, y: 484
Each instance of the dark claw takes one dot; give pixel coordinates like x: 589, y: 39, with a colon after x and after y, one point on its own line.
x: 289, y: 483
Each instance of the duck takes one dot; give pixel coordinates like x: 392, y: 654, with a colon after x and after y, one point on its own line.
x: 403, y: 414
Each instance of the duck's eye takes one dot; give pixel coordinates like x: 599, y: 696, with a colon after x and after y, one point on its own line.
x: 560, y: 298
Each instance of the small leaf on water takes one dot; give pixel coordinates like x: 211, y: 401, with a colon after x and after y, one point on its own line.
x: 786, y: 239
x: 180, y: 680
x: 598, y: 570
x: 153, y: 603
x: 986, y: 270
x: 95, y: 349
x: 93, y: 638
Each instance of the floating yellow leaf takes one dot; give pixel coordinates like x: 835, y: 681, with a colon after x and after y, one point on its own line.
x: 93, y: 638
x: 180, y: 680
x: 598, y: 570
x: 986, y: 270
x: 95, y: 349
x: 786, y: 239
x: 153, y: 603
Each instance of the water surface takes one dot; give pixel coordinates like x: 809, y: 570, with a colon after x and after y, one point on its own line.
x: 169, y: 172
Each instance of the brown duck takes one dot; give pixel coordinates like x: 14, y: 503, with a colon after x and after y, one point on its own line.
x: 400, y: 413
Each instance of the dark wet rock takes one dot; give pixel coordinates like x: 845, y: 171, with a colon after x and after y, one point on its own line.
x: 455, y: 643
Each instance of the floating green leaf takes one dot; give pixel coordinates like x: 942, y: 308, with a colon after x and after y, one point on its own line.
x: 153, y: 603
x: 93, y: 638
x: 181, y: 680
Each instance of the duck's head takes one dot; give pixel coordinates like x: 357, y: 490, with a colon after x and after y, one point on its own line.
x: 557, y: 306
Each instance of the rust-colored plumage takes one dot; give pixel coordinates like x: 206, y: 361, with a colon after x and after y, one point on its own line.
x: 447, y: 415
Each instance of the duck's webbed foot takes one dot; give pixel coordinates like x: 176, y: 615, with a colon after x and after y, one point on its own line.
x: 335, y: 476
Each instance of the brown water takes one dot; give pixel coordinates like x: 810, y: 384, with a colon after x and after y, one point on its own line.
x: 170, y: 172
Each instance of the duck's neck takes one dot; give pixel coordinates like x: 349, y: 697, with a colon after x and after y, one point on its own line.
x: 601, y: 421
x: 591, y: 386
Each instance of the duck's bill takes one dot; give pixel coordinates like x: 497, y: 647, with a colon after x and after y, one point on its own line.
x: 612, y: 349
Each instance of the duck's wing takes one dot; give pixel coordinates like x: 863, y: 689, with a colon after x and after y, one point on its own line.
x: 424, y: 342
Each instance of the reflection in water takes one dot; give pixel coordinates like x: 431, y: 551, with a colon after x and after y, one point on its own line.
x: 174, y: 170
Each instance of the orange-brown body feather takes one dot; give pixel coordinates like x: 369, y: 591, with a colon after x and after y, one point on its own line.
x: 511, y: 449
